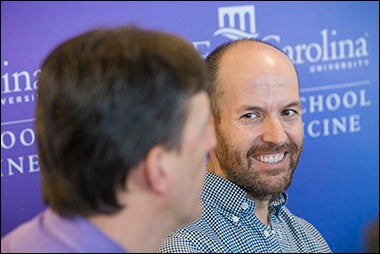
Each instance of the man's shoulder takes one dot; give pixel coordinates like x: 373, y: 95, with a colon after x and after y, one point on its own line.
x: 27, y: 237
x: 192, y: 238
x: 291, y: 218
x: 194, y: 229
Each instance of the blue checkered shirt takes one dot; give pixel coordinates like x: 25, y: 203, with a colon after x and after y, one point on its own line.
x: 228, y: 224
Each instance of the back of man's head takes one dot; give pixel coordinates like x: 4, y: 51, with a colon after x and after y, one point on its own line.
x: 105, y: 97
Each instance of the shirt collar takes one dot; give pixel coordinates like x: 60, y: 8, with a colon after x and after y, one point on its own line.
x: 226, y: 195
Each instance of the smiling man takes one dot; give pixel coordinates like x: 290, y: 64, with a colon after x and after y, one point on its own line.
x: 254, y: 93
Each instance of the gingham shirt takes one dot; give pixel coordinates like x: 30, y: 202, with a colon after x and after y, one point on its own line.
x: 228, y: 224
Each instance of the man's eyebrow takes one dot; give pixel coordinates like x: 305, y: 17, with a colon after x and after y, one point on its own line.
x: 253, y: 108
x: 294, y: 104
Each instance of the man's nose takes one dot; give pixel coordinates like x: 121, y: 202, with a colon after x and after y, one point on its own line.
x: 273, y: 131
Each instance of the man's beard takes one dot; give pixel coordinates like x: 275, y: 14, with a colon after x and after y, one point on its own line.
x: 239, y: 169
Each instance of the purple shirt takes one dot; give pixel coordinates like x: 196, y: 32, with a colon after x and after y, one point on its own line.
x: 48, y: 232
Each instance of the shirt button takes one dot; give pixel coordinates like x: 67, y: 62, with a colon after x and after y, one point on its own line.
x: 235, y: 218
x: 244, y: 205
x: 266, y: 233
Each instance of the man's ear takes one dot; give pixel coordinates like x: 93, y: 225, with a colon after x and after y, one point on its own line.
x: 158, y: 170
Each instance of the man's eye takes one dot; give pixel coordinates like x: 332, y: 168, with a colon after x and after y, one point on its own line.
x: 250, y: 115
x: 289, y: 112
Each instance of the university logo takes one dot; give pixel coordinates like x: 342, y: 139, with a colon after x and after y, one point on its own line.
x: 239, y: 22
x: 18, y: 87
x: 244, y: 26
x: 326, y: 54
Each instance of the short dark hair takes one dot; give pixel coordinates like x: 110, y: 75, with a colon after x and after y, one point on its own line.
x: 213, y: 60
x: 105, y: 98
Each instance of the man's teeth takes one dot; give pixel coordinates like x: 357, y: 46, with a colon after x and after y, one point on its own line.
x: 271, y: 158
